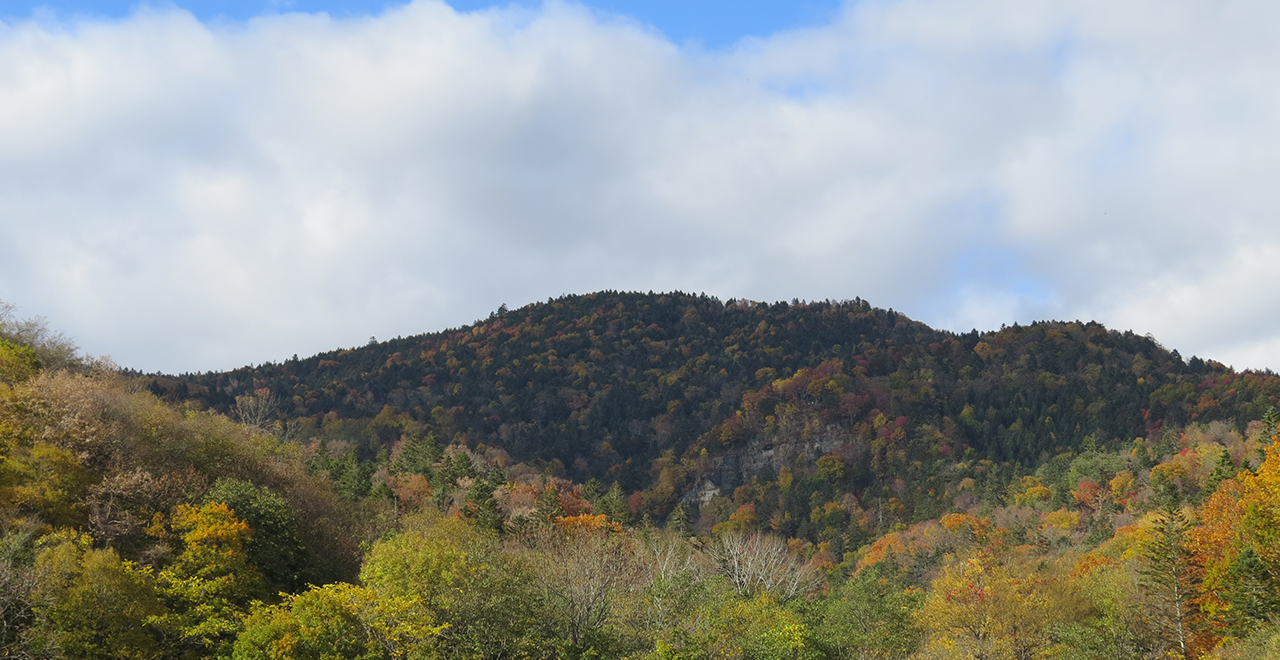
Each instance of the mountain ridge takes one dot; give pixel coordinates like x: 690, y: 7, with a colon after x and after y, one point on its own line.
x: 607, y: 383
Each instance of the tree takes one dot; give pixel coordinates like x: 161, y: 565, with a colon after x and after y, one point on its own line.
x: 739, y: 629
x: 992, y: 607
x: 674, y: 581
x: 1225, y: 468
x: 587, y: 569
x: 259, y: 410
x: 417, y: 454
x: 53, y: 349
x: 613, y: 504
x: 211, y: 583
x: 547, y: 507
x: 340, y: 622
x: 17, y: 363
x: 275, y: 547
x: 1236, y: 546
x: 1170, y: 580
x: 460, y: 574
x: 678, y: 520
x: 870, y: 617
x: 480, y: 505
x: 91, y: 605
x: 17, y: 585
x: 760, y: 563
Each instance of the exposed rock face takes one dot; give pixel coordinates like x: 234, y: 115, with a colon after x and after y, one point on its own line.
x: 767, y: 455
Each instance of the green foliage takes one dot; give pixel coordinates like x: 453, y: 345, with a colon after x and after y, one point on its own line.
x: 911, y: 493
x: 869, y: 617
x: 211, y: 583
x: 90, y: 604
x: 339, y: 622
x: 553, y: 379
x: 275, y: 548
x: 752, y: 629
x: 1171, y: 581
x: 417, y: 455
x: 654, y: 391
x: 614, y: 505
x: 457, y: 572
x: 17, y: 363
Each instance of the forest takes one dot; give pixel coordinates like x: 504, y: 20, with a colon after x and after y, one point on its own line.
x: 632, y: 475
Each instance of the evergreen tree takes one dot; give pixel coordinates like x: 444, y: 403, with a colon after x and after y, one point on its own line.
x: 352, y: 477
x: 678, y: 520
x: 591, y: 490
x: 417, y: 456
x: 1270, y: 428
x: 614, y: 505
x: 547, y: 508
x: 1225, y: 468
x: 481, y: 506
x: 1170, y: 581
x: 1252, y: 589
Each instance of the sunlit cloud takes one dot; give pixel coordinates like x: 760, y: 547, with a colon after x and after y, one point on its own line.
x: 190, y: 196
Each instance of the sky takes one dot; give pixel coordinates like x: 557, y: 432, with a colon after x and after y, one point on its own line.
x: 199, y: 186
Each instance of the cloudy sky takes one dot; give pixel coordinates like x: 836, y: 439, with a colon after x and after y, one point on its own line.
x: 199, y: 188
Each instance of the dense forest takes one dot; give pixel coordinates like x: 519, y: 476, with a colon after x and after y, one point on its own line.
x: 625, y: 475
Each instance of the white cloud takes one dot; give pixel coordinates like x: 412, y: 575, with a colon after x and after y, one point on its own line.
x: 187, y: 196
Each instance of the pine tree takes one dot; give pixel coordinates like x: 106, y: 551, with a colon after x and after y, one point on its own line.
x: 1223, y: 470
x: 1251, y: 589
x: 1270, y: 422
x: 1170, y: 580
x: 591, y: 490
x: 1270, y: 428
x: 614, y: 505
x: 481, y: 505
x: 678, y: 520
x: 417, y: 456
x: 547, y: 508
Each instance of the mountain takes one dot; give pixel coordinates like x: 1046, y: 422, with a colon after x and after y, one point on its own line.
x: 623, y: 475
x: 603, y: 385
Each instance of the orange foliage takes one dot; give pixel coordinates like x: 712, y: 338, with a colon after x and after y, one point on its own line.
x: 1243, y: 513
x: 956, y: 522
x: 1090, y: 494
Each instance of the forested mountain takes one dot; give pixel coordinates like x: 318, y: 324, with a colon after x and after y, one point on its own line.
x: 601, y: 385
x: 645, y: 476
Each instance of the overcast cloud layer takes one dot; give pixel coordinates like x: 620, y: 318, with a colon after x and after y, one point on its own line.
x: 185, y: 196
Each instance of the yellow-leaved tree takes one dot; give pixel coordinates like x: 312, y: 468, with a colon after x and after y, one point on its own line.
x: 995, y: 606
x: 1238, y: 546
x: 210, y: 585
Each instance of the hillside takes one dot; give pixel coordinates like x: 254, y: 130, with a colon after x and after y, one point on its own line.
x: 601, y: 385
x: 645, y: 477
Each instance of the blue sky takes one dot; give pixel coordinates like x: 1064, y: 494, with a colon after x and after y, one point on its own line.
x: 182, y: 196
x: 712, y: 23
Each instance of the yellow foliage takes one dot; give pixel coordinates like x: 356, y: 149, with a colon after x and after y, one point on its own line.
x: 1121, y: 485
x: 17, y: 363
x: 1061, y: 519
x: 1030, y: 490
x: 997, y: 607
x: 956, y: 522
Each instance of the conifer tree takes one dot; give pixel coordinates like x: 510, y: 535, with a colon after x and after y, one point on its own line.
x: 417, y: 456
x: 547, y: 508
x: 614, y: 505
x: 678, y: 521
x: 1224, y: 469
x: 1170, y: 580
